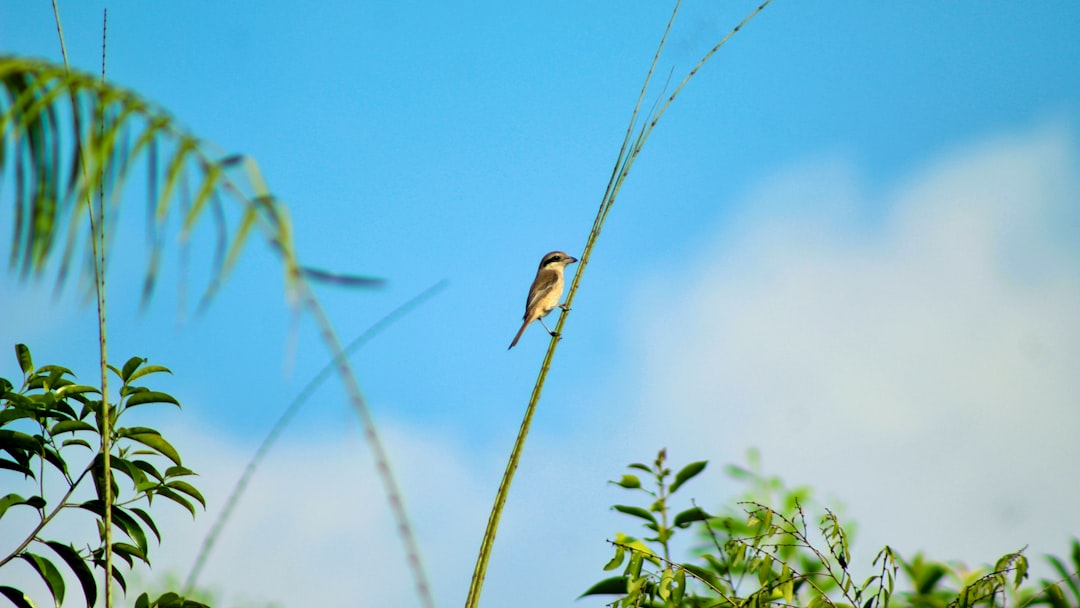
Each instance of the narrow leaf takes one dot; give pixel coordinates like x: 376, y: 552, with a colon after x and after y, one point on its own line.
x: 78, y: 565
x: 615, y: 585
x: 48, y: 573
x: 636, y: 512
x: 687, y: 473
x: 20, y: 599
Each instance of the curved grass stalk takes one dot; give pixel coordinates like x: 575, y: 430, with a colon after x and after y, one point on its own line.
x: 628, y: 153
x: 379, y: 455
x: 290, y: 412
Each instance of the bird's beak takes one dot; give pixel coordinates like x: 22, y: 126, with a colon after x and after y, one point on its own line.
x: 572, y: 260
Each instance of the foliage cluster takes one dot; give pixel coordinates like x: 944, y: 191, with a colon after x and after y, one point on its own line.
x: 51, y: 438
x: 752, y: 554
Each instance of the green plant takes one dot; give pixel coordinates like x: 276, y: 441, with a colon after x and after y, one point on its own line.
x: 51, y: 436
x: 753, y: 554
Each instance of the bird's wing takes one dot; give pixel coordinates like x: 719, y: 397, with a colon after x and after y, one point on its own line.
x: 543, y: 284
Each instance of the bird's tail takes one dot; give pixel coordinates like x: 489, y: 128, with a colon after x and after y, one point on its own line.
x: 518, y: 336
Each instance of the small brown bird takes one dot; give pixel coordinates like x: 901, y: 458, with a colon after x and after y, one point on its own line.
x: 546, y: 291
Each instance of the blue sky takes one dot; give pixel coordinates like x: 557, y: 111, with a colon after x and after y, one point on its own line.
x: 859, y: 213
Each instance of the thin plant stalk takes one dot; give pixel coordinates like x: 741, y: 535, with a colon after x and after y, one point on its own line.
x: 97, y: 244
x: 628, y: 153
x: 379, y: 454
x: 283, y: 421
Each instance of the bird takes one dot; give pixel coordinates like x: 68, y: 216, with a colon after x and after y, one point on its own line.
x: 546, y: 291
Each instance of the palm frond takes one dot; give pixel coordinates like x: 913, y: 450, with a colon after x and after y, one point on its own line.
x: 65, y: 135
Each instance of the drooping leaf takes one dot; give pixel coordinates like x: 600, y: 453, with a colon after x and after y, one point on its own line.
x: 48, y: 573
x: 151, y: 439
x: 78, y: 566
x: 629, y: 482
x: 188, y: 489
x: 20, y: 599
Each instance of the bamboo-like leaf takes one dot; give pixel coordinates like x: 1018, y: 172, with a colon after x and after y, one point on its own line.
x: 48, y: 573
x: 151, y: 439
x: 20, y: 599
x: 65, y: 135
x: 78, y: 565
x: 188, y: 489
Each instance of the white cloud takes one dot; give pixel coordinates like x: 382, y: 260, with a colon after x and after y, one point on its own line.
x: 914, y: 356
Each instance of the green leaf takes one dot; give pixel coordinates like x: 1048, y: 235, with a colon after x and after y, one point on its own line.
x: 147, y: 370
x: 71, y: 426
x: 78, y: 565
x: 149, y: 521
x: 48, y: 573
x: 1065, y: 575
x: 687, y: 473
x: 143, y: 601
x: 20, y: 599
x: 617, y: 560
x: 188, y: 489
x: 615, y: 585
x: 130, y: 367
x: 629, y: 482
x: 178, y: 499
x: 690, y: 516
x: 145, y: 396
x: 26, y: 363
x: 680, y: 587
x: 636, y: 512
x: 640, y: 467
x: 80, y: 442
x: 12, y: 500
x: 151, y: 439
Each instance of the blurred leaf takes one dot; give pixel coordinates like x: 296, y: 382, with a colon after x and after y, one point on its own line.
x: 617, y: 560
x: 1068, y: 577
x: 687, y: 473
x: 40, y: 102
x: 680, y: 587
x: 629, y: 482
x: 636, y: 512
x: 615, y: 585
x: 341, y: 280
x: 690, y: 516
